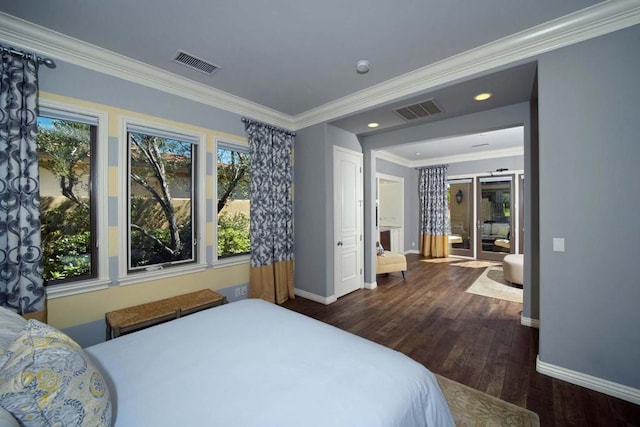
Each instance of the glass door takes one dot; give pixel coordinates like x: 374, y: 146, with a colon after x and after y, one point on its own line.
x: 461, y: 217
x: 495, y: 211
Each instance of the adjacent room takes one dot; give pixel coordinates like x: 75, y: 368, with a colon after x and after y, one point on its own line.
x: 330, y: 213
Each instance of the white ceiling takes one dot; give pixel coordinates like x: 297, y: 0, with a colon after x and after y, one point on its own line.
x: 490, y: 144
x: 292, y: 62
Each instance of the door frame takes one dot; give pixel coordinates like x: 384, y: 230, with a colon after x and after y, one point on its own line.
x: 397, y: 234
x: 471, y: 199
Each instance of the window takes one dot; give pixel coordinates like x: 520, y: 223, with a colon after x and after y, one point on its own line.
x: 233, y: 200
x: 66, y: 154
x: 162, y: 198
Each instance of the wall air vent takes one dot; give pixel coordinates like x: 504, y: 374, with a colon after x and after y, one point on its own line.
x: 194, y: 63
x: 418, y: 111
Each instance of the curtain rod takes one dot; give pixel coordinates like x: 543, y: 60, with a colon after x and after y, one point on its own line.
x: 48, y: 62
x: 268, y: 126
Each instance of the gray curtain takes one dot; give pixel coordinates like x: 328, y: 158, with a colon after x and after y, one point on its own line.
x: 21, y: 284
x: 271, y: 211
x: 434, y: 212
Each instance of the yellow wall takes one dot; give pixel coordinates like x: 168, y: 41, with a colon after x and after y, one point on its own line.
x: 68, y: 311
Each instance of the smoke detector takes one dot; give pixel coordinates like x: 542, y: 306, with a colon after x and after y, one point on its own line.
x: 363, y: 66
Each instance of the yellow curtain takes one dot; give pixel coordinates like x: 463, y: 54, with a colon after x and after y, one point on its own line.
x: 273, y: 282
x: 434, y: 246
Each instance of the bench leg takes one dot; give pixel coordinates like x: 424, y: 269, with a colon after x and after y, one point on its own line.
x: 403, y: 272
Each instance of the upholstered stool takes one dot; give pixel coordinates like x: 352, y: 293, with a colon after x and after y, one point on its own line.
x: 512, y: 267
x: 391, y: 261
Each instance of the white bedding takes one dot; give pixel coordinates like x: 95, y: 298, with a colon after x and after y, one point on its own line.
x: 251, y: 363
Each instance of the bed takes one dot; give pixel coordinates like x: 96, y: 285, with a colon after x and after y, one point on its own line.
x: 252, y: 363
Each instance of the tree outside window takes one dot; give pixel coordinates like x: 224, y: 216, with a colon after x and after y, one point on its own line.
x: 67, y: 211
x: 233, y: 201
x: 161, y: 200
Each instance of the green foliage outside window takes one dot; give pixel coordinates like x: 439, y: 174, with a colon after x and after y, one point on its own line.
x: 64, y: 149
x: 233, y: 234
x: 66, y: 242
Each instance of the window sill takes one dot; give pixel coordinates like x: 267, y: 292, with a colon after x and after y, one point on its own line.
x: 68, y: 289
x: 231, y: 261
x: 164, y: 273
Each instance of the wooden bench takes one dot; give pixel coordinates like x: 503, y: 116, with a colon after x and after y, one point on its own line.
x: 152, y: 313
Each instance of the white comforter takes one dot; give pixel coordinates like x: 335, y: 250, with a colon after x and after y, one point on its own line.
x: 251, y: 363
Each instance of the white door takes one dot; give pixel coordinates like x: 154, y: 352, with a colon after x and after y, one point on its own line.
x: 348, y: 243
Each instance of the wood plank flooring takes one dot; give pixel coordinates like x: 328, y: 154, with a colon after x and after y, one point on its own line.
x: 475, y: 340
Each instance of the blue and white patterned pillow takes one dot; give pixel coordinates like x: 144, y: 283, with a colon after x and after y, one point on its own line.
x: 48, y: 380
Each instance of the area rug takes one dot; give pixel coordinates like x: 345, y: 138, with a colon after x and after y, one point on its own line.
x: 440, y: 260
x: 476, y: 264
x: 491, y: 284
x: 471, y: 407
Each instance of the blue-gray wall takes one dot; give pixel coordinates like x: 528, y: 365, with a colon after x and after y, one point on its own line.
x: 589, y: 152
x: 411, y: 203
x: 313, y: 205
x: 512, y: 163
x: 82, y: 83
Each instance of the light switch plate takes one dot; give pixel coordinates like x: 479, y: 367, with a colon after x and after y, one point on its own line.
x: 558, y: 244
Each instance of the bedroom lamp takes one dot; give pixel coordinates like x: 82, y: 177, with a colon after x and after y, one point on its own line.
x: 459, y: 196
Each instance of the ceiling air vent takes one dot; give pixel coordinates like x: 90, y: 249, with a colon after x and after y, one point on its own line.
x: 194, y: 63
x: 418, y: 111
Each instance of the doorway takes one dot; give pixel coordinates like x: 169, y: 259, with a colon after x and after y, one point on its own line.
x: 390, y: 212
x: 495, y: 217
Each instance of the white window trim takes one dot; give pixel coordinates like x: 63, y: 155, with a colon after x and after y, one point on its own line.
x: 124, y: 277
x: 99, y: 196
x: 230, y: 260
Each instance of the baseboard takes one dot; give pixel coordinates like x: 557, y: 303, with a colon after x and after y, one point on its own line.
x: 412, y: 251
x: 370, y: 285
x: 528, y: 321
x: 314, y: 297
x: 620, y: 391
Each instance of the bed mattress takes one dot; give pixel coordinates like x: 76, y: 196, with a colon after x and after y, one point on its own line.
x: 251, y: 363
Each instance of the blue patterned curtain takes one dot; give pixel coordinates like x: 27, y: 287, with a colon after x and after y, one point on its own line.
x: 434, y: 212
x: 21, y: 284
x: 271, y: 211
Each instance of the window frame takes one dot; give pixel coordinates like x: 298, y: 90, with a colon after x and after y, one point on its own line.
x: 229, y: 260
x: 125, y: 276
x: 99, y: 198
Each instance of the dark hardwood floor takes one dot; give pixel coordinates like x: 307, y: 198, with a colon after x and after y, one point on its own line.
x: 475, y: 340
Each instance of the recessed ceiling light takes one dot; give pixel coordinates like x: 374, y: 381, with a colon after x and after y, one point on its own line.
x: 373, y: 125
x: 483, y: 96
x: 418, y: 153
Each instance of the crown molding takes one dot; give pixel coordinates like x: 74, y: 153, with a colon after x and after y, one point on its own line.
x: 43, y: 41
x: 594, y: 21
x: 393, y: 158
x: 467, y: 157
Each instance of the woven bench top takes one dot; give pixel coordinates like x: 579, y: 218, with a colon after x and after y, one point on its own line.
x: 130, y: 316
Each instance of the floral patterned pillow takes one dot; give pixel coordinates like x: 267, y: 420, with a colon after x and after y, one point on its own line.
x: 48, y: 380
